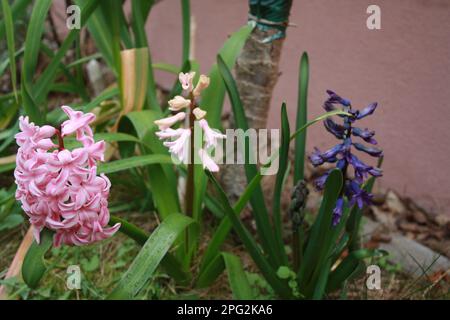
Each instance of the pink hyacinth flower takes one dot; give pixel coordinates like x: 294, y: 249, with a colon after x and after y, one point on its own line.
x: 78, y: 122
x: 60, y: 190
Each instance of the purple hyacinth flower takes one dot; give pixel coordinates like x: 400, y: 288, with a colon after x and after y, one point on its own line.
x: 316, y: 158
x: 335, y: 98
x: 328, y: 106
x: 343, y: 156
x: 365, y: 134
x: 335, y: 129
x: 341, y: 164
x: 367, y: 110
x: 356, y: 163
x: 376, y: 172
x: 331, y: 153
x: 337, y: 212
x: 357, y: 195
x: 319, y: 183
x: 374, y: 152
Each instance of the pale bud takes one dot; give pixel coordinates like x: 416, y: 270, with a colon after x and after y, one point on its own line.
x: 202, y: 84
x: 178, y: 103
x: 199, y: 113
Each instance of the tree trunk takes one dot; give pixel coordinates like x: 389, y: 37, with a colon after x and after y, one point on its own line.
x: 256, y: 73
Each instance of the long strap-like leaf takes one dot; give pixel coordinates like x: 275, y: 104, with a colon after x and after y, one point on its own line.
x: 252, y: 247
x: 151, y: 254
x: 261, y: 214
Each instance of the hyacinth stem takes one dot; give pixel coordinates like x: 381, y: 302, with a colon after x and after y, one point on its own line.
x: 190, y: 178
x: 297, y: 246
x: 60, y: 140
x: 132, y: 231
x: 189, y: 200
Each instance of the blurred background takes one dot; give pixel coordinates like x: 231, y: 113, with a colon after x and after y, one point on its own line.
x: 405, y: 67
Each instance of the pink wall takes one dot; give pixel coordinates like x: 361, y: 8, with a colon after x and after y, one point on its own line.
x: 405, y: 67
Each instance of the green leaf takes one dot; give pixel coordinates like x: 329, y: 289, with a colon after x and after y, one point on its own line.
x: 30, y: 58
x: 133, y: 162
x: 71, y: 143
x: 260, y: 214
x: 279, y: 182
x: 112, y: 11
x: 6, y: 62
x: 349, y: 265
x: 57, y: 116
x: 162, y: 178
x: 170, y: 264
x: 210, y: 272
x: 237, y: 278
x: 167, y: 67
x: 33, y: 39
x: 279, y: 286
x: 9, y: 27
x: 321, y: 283
x: 31, y: 108
x: 151, y: 254
x: 34, y: 267
x: 11, y: 221
x: 18, y: 10
x: 46, y: 79
x: 319, y: 118
x: 186, y: 30
x: 225, y: 225
x: 7, y: 167
x: 140, y: 11
x: 212, y: 252
x: 83, y: 60
x: 302, y: 118
x: 101, y: 34
x: 318, y: 247
x: 44, y: 82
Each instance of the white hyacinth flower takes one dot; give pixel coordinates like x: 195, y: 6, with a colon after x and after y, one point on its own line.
x: 211, y: 136
x: 170, y: 121
x: 207, y: 161
x: 186, y: 80
x: 180, y: 146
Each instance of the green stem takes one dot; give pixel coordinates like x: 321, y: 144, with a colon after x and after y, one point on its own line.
x: 131, y: 230
x: 189, y: 200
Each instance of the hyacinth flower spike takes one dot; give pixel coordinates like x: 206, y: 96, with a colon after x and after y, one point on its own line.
x: 342, y: 153
x: 59, y: 189
x: 180, y: 141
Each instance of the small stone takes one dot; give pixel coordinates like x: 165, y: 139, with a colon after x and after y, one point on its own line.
x: 442, y: 220
x: 381, y: 237
x: 419, y: 217
x: 394, y: 203
x: 409, y: 227
x: 385, y: 218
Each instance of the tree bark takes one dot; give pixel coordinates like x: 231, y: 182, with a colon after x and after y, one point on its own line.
x: 256, y: 73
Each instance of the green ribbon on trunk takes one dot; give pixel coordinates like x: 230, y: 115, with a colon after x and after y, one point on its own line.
x: 270, y: 15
